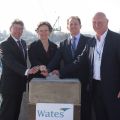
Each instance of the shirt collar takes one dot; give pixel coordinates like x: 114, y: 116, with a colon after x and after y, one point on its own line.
x: 15, y: 38
x: 102, y: 37
x: 77, y: 36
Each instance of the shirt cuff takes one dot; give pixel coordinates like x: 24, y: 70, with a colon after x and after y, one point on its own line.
x: 26, y: 72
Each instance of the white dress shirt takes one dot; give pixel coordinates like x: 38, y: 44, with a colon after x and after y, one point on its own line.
x: 15, y: 39
x: 98, y: 56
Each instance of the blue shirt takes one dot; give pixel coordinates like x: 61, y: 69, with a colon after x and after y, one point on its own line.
x: 77, y: 39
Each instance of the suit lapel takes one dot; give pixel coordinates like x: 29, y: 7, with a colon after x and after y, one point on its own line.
x: 92, y: 44
x: 106, y: 46
x: 91, y: 53
x: 80, y: 45
x: 79, y: 48
x: 68, y: 47
x: 25, y: 48
x: 15, y: 48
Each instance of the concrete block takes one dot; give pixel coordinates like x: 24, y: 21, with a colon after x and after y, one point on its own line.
x: 54, y: 91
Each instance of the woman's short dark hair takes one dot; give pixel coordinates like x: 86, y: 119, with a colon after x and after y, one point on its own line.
x: 45, y: 23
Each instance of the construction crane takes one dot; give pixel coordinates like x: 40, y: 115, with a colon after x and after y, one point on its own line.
x: 56, y: 26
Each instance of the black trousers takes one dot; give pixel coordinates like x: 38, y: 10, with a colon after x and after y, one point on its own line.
x: 85, y: 105
x: 10, y: 106
x: 98, y: 101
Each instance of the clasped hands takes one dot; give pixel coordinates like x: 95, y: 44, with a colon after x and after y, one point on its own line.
x: 35, y: 69
x: 43, y: 70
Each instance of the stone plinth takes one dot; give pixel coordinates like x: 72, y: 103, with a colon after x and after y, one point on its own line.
x: 54, y: 91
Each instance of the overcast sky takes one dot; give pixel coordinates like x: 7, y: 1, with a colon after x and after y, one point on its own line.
x: 34, y: 11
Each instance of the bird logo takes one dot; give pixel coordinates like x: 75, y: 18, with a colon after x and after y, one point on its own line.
x: 64, y: 109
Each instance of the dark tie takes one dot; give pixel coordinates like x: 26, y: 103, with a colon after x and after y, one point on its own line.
x: 21, y: 47
x: 73, y: 46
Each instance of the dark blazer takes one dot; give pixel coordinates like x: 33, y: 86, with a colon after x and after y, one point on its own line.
x: 38, y: 55
x: 64, y: 54
x: 14, y: 66
x: 110, y: 71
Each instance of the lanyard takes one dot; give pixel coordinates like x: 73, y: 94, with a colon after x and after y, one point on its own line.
x: 99, y: 50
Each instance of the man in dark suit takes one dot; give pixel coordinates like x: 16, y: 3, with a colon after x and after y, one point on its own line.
x: 66, y: 54
x: 102, y: 57
x: 14, y: 72
x: 70, y: 47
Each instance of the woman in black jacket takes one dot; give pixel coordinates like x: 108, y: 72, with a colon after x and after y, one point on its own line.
x: 42, y: 51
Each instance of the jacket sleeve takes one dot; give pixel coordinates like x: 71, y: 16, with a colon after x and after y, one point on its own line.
x: 33, y: 56
x: 55, y: 62
x: 10, y: 61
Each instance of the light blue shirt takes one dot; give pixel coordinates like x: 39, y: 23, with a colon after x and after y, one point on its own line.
x: 77, y: 39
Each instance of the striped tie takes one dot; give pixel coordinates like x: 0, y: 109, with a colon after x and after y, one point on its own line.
x: 21, y: 47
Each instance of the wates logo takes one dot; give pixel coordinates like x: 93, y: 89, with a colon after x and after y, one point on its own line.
x: 53, y: 114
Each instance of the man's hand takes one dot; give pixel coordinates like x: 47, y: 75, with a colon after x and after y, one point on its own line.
x: 43, y: 70
x: 55, y: 72
x: 33, y: 70
x: 44, y: 73
x: 118, y: 95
